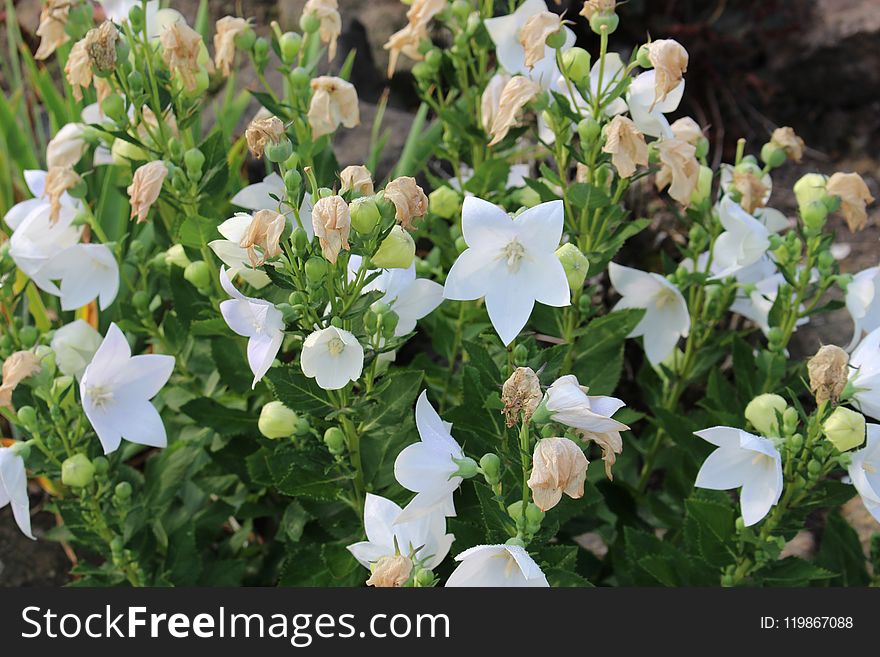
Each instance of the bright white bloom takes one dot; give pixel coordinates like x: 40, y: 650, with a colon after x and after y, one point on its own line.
x: 75, y: 345
x: 13, y: 489
x: 504, y: 31
x: 86, y: 271
x: 497, y: 566
x: 427, y: 467
x: 666, y: 316
x: 257, y: 320
x: 647, y: 114
x: 333, y: 357
x: 410, y: 297
x: 516, y: 177
x: 263, y: 195
x: 424, y: 539
x: 116, y: 389
x: 743, y: 460
x: 510, y: 262
x: 745, y: 239
x: 569, y: 404
x: 35, y: 180
x: 37, y: 241
x: 864, y: 374
x: 864, y: 471
x: 863, y: 302
x: 117, y: 10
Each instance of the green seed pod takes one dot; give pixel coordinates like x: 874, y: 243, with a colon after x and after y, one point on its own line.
x: 122, y: 490
x: 334, y: 438
x: 490, y: 464
x: 28, y: 336
x: 280, y: 151
x: 316, y: 270
x: 309, y: 23
x: 289, y: 44
x: 27, y: 415
x: 194, y: 160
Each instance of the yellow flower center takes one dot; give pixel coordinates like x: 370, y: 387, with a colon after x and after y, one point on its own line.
x: 513, y: 253
x: 666, y: 297
x: 336, y: 346
x: 100, y: 396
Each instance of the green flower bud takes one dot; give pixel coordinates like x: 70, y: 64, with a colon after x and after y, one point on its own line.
x: 292, y: 183
x: 520, y: 355
x: 702, y: 148
x: 102, y: 465
x: 300, y: 78
x: 389, y: 324
x: 845, y: 429
x: 198, y: 273
x: 576, y: 64
x: 396, y: 251
x: 490, y: 464
x: 136, y: 82
x: 527, y: 197
x: 302, y: 427
x: 814, y: 215
x: 334, y: 438
x: 575, y: 264
x: 114, y: 107
x: 461, y: 9
x: 60, y: 386
x: 176, y: 255
x: 364, y: 214
x: 703, y: 190
x: 588, y: 130
x: 300, y: 240
x: 316, y: 270
x: 814, y: 468
x: 244, y: 40
x: 276, y: 420
x: 534, y: 515
x: 515, y: 510
x: 434, y: 58
x: 445, y: 202
x: 790, y: 420
x: 772, y: 155
x: 194, y: 160
x: 604, y: 22
x: 136, y: 17
x: 289, y: 45
x: 467, y: 468
x: 27, y: 415
x: 140, y: 300
x: 460, y: 245
x: 423, y: 578
x: 796, y: 442
x: 122, y: 490
x: 280, y: 151
x: 762, y: 411
x: 515, y: 541
x: 261, y: 50
x: 309, y: 23
x: 77, y: 471
x: 810, y: 188
x: 28, y: 336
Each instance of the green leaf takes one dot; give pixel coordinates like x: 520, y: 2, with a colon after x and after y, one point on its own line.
x: 792, y: 571
x: 225, y: 421
x: 709, y: 527
x: 600, y: 350
x: 587, y: 197
x: 841, y: 551
x: 298, y: 392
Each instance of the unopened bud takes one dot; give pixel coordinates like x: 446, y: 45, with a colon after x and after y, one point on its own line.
x: 845, y: 428
x: 576, y: 64
x: 77, y: 471
x: 198, y: 274
x: 762, y: 412
x: 276, y: 420
x: 396, y: 251
x: 467, y: 468
x: 364, y: 214
x: 490, y: 464
x: 334, y: 439
x: 575, y: 264
x: 444, y: 202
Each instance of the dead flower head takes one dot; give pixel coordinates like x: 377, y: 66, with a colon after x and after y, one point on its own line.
x: 521, y: 394
x: 687, y: 130
x: 263, y: 131
x: 679, y: 169
x: 408, y: 198
x: 59, y: 180
x: 626, y: 145
x: 390, y: 572
x: 517, y: 93
x: 407, y: 39
x: 264, y: 232
x: 854, y: 196
x: 533, y: 35
x: 53, y: 20
x: 327, y: 12
x: 78, y: 69
x: 146, y: 183
x: 356, y: 178
x: 751, y: 189
x: 786, y: 139
x: 101, y: 46
x: 597, y: 7
x: 829, y: 372
x: 331, y: 220
x: 670, y: 61
x: 334, y: 102
x: 226, y: 29
x: 19, y: 366
x: 558, y: 466
x: 180, y: 50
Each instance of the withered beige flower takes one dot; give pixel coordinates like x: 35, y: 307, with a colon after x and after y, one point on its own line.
x: 408, y: 198
x: 356, y: 178
x: 558, y: 466
x: 261, y: 132
x: 626, y: 145
x: 751, y: 188
x: 180, y: 50
x: 390, y: 572
x: 78, y: 69
x: 19, y: 366
x: 334, y: 102
x: 679, y: 169
x: 146, y: 183
x: 533, y: 35
x: 225, y: 31
x: 670, y: 61
x: 597, y: 7
x: 407, y: 40
x: 786, y: 139
x: 521, y: 394
x: 327, y: 12
x: 517, y: 93
x: 53, y: 20
x: 101, y: 46
x: 581, y: 173
x: 611, y: 444
x: 264, y: 232
x: 58, y: 181
x: 331, y: 220
x: 829, y: 372
x: 854, y: 196
x: 687, y: 130
x: 67, y: 146
x: 491, y: 99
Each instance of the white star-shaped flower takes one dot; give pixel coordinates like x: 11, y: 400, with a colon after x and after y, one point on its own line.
x: 863, y: 302
x: 427, y: 467
x: 510, y: 262
x: 745, y: 239
x: 116, y: 389
x: 497, y: 566
x: 35, y: 180
x: 333, y: 357
x: 424, y: 539
x: 864, y: 471
x: 743, y: 460
x: 258, y: 320
x: 666, y: 316
x: 13, y: 489
x: 86, y: 271
x: 37, y: 241
x: 864, y: 374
